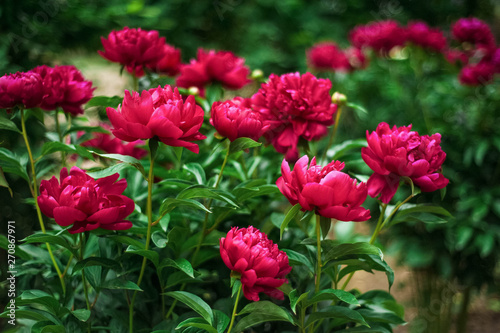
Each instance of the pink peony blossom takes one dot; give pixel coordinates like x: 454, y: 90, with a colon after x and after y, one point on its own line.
x: 473, y: 30
x: 419, y: 33
x: 325, y: 190
x: 401, y: 152
x: 158, y: 112
x: 294, y: 107
x: 257, y: 259
x: 235, y: 119
x: 84, y: 202
x: 21, y: 89
x: 380, y: 36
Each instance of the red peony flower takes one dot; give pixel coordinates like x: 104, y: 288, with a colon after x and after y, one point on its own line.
x: 21, y: 89
x: 234, y: 119
x: 327, y: 56
x: 170, y: 63
x: 381, y: 36
x: 419, y: 33
x: 64, y: 87
x: 495, y: 60
x: 477, y: 74
x: 84, y: 202
x: 257, y: 259
x: 400, y: 152
x: 294, y: 107
x: 158, y: 112
x: 134, y: 49
x: 112, y: 145
x: 212, y: 66
x: 324, y: 190
x: 473, y: 30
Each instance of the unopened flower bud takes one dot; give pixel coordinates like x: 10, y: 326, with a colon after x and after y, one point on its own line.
x: 194, y: 91
x: 257, y: 74
x: 339, y: 99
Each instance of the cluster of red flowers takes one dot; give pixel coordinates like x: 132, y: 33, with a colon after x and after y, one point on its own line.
x: 138, y: 50
x: 478, y: 53
x: 46, y: 87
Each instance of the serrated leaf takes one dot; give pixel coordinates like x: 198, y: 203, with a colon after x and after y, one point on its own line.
x: 194, y: 302
x: 242, y: 144
x: 288, y: 217
x: 51, y: 239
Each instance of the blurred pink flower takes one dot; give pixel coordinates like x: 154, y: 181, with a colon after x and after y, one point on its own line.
x: 478, y: 74
x: 473, y: 30
x: 327, y: 56
x: 294, y: 107
x: 380, y: 36
x: 134, y: 49
x: 170, y: 63
x: 419, y: 33
x: 400, y: 152
x: 158, y: 112
x: 214, y: 66
x: 257, y: 259
x: 327, y: 190
x: 84, y: 202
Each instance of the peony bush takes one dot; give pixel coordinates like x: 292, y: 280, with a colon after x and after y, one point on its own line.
x: 180, y: 182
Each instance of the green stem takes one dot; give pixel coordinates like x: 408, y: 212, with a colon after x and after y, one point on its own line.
x: 379, y: 223
x: 319, y: 265
x: 135, y: 82
x: 34, y: 192
x: 332, y: 134
x: 61, y: 138
x: 233, y: 316
x: 84, y: 281
x: 153, y: 145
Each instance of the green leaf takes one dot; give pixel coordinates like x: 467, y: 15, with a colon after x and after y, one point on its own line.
x: 101, y: 173
x: 422, y: 208
x: 180, y: 263
x: 297, y: 258
x: 335, y: 312
x: 177, y: 152
x: 51, y: 239
x: 346, y: 249
x: 128, y: 241
x: 326, y: 224
x: 294, y: 299
x: 95, y: 261
x: 170, y: 204
x: 94, y: 276
x: 87, y: 129
x: 6, y: 124
x: 331, y: 294
x: 104, y: 101
x: 198, y: 323
x: 221, y: 321
x: 151, y: 255
x: 159, y: 239
x: 201, y: 191
x: 197, y: 170
x: 254, y: 319
x: 242, y: 144
x: 47, y: 327
x: 126, y: 159
x: 339, y: 150
x: 357, y: 107
x: 29, y: 297
x: 380, y: 316
x: 195, y: 303
x: 266, y: 307
x: 373, y: 329
x: 4, y: 183
x: 81, y: 314
x: 10, y: 164
x: 236, y: 285
x: 120, y: 283
x: 288, y: 217
x: 55, y: 146
x: 4, y: 244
